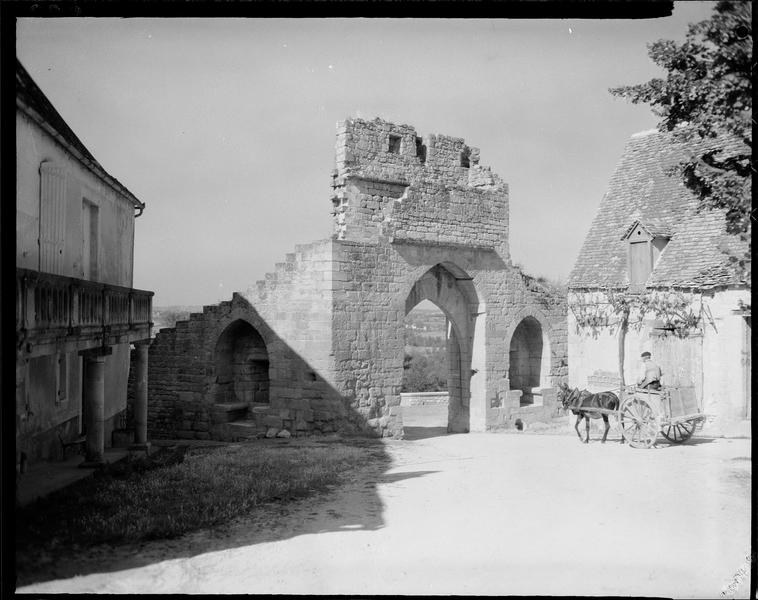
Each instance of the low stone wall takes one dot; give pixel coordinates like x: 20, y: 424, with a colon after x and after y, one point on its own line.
x: 510, y: 414
x: 422, y: 398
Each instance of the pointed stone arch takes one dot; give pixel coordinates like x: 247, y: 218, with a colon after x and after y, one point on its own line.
x: 241, y: 364
x: 529, y: 353
x: 451, y: 289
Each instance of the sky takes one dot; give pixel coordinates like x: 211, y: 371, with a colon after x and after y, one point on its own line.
x: 225, y: 128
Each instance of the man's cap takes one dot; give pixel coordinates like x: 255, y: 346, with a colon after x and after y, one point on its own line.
x: 646, y: 355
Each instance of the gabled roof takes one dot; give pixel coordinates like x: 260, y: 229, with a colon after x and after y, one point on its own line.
x: 640, y: 192
x: 31, y: 100
x: 654, y: 229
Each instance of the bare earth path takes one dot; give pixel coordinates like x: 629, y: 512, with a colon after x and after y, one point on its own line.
x: 472, y: 514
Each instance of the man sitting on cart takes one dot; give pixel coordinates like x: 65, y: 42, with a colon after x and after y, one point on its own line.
x: 650, y: 378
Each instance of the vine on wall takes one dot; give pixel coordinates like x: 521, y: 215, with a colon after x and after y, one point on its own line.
x: 680, y: 314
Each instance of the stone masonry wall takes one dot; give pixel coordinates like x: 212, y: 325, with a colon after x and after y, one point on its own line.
x: 423, y: 398
x: 440, y: 195
x: 371, y: 307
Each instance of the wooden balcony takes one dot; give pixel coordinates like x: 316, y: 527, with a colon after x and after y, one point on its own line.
x: 64, y: 314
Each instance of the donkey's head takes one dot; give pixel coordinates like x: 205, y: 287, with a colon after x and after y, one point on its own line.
x: 567, y: 395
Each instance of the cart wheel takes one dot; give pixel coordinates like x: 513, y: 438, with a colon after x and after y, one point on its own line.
x: 679, y: 432
x: 639, y: 423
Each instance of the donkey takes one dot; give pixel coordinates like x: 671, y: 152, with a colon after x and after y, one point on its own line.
x: 581, y: 402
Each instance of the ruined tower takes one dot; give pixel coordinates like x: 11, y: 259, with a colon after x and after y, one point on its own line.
x: 415, y: 218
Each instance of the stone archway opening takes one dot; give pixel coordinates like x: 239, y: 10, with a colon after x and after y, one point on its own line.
x: 529, y: 361
x: 451, y: 291
x: 241, y: 366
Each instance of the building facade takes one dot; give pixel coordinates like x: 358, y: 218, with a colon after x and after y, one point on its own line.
x: 76, y: 310
x: 318, y: 345
x: 651, y: 249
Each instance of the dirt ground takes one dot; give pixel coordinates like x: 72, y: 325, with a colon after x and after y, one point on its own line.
x: 470, y: 514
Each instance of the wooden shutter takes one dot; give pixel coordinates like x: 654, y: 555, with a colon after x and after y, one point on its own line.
x: 52, y: 218
x: 640, y: 262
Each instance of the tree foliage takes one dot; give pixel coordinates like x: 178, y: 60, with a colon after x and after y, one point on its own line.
x: 705, y: 101
x: 425, y: 372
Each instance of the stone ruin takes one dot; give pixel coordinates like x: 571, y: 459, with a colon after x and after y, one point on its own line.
x: 318, y: 345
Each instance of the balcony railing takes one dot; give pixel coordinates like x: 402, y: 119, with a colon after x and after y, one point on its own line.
x: 53, y: 305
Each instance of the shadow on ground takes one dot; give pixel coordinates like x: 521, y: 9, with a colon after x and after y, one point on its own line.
x: 352, y: 505
x: 662, y: 442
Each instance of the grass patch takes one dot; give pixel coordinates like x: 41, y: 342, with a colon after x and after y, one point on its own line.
x: 180, y: 490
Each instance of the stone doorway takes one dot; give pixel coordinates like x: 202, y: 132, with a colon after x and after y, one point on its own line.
x: 451, y: 290
x: 241, y: 366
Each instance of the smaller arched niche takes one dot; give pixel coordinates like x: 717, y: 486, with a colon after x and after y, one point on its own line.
x: 529, y: 361
x: 241, y: 362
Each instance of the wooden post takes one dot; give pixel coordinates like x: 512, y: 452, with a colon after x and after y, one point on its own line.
x: 622, y: 340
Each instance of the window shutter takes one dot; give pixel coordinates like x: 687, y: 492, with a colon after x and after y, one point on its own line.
x: 52, y: 221
x: 640, y: 262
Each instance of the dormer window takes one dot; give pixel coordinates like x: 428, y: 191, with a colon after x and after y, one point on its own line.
x: 645, y: 246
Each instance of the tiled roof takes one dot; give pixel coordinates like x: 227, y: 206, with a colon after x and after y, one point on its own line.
x: 640, y: 192
x: 30, y: 96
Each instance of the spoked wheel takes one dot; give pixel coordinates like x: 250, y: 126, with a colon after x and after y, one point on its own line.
x: 639, y: 423
x: 677, y: 433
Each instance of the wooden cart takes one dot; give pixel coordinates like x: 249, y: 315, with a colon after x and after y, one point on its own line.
x: 672, y: 411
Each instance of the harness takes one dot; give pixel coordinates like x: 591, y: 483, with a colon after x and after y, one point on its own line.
x: 575, y: 398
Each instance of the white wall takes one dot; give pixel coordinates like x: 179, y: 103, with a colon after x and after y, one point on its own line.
x: 723, y: 371
x: 116, y: 213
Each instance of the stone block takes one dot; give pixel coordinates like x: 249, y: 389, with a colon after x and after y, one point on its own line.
x: 271, y: 432
x: 305, y: 415
x: 284, y: 434
x: 513, y: 399
x: 272, y: 421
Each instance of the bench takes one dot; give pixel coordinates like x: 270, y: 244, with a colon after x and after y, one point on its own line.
x: 77, y: 443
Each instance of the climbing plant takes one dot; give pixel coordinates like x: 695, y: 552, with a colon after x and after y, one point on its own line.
x: 680, y: 314
x: 609, y: 310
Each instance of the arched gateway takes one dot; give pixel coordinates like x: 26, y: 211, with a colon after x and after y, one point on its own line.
x: 414, y: 218
x: 457, y: 299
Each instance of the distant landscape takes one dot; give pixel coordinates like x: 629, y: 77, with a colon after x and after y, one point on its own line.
x: 167, y: 316
x: 425, y: 363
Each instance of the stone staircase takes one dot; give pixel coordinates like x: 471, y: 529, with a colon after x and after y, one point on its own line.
x: 295, y: 264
